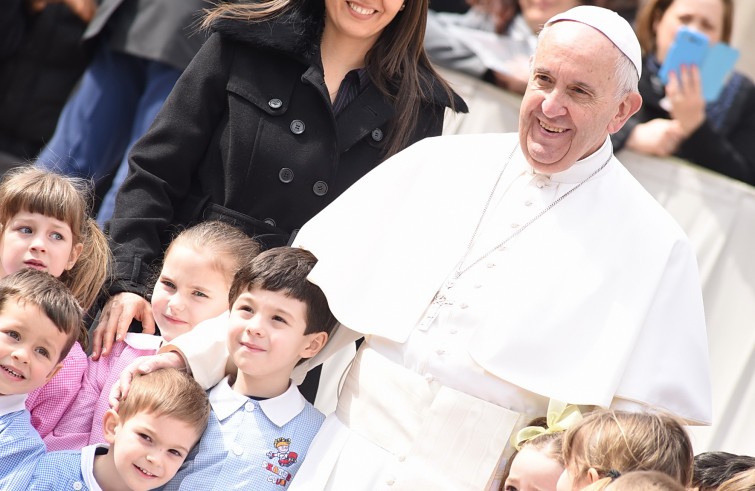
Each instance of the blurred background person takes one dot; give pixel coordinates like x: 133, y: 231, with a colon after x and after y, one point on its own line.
x: 41, y: 59
x: 141, y: 47
x: 674, y: 119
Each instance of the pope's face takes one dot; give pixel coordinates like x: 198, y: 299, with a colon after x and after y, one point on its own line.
x: 572, y: 100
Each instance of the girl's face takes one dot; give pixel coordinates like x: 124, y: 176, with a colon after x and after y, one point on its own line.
x: 533, y: 470
x: 33, y: 240
x: 191, y: 288
x: 704, y: 16
x: 360, y: 20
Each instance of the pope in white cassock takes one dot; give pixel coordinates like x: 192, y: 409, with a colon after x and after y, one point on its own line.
x: 489, y: 273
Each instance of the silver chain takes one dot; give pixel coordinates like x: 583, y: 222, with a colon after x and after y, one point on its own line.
x: 460, y: 271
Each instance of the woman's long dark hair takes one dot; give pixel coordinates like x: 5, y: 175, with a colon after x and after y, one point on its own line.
x: 397, y: 63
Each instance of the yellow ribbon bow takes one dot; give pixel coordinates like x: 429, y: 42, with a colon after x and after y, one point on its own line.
x: 560, y: 417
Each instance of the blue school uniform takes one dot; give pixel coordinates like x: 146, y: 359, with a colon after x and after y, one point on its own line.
x: 250, y: 444
x: 20, y: 444
x: 67, y: 470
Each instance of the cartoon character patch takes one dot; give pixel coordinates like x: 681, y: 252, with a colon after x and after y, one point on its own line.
x: 284, y: 458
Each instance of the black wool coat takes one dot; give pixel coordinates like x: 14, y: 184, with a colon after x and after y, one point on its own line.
x: 249, y: 136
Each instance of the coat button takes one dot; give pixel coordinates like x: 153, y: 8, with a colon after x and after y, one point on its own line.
x: 297, y: 127
x: 320, y: 188
x: 275, y: 103
x: 377, y: 134
x: 270, y: 222
x: 286, y: 175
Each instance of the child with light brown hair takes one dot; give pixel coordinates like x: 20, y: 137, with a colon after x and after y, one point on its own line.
x: 148, y: 439
x: 45, y: 225
x: 608, y: 443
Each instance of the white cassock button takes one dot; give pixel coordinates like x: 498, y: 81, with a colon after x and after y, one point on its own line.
x: 249, y: 406
x: 478, y: 285
x: 514, y: 225
x: 401, y: 458
x: 390, y: 482
x: 440, y: 351
x: 528, y: 203
x: 490, y: 265
x: 429, y: 377
x: 237, y: 449
x: 454, y: 331
x: 463, y: 305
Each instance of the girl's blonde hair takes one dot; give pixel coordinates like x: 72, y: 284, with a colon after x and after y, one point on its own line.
x: 227, y: 245
x: 35, y: 190
x: 609, y: 441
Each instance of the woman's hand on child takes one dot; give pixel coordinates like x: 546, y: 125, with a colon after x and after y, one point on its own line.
x: 116, y: 318
x: 141, y: 366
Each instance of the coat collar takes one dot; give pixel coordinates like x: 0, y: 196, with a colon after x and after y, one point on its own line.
x: 296, y: 31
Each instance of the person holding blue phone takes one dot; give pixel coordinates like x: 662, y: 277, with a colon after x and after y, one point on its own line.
x: 675, y: 119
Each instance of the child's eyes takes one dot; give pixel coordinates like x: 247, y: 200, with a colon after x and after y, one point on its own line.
x: 24, y: 229
x: 13, y: 334
x: 197, y: 293
x: 43, y: 352
x: 244, y: 308
x: 175, y: 452
x: 56, y: 236
x: 278, y: 318
x: 168, y: 284
x: 145, y: 437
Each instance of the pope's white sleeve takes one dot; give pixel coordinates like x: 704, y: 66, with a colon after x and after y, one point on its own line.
x: 205, y: 350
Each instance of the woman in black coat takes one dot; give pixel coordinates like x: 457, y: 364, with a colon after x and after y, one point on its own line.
x: 287, y: 104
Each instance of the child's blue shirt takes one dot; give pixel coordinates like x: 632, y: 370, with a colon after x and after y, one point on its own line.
x: 67, y: 470
x: 20, y: 444
x: 250, y: 444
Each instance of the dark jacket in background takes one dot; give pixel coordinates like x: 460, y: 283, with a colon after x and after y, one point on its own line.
x: 249, y: 135
x: 36, y: 80
x: 725, y: 142
x: 151, y: 29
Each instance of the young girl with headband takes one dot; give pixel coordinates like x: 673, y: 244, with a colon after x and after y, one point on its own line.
x: 538, y: 462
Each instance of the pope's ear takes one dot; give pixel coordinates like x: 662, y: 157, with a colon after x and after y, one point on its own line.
x: 628, y: 106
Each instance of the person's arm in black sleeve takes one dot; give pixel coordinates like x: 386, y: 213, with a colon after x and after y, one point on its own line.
x: 162, y: 163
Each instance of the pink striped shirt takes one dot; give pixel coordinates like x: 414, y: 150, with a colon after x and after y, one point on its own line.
x: 82, y: 424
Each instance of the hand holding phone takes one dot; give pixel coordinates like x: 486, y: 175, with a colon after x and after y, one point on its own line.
x: 715, y: 62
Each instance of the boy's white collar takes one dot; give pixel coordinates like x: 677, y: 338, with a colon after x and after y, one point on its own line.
x: 12, y: 403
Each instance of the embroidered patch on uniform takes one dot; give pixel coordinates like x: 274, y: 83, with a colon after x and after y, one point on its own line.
x: 282, y: 457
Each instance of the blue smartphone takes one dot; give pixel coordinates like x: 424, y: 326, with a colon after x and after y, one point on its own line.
x: 689, y: 48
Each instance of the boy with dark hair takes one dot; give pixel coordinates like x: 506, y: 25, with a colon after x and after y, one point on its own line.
x: 39, y: 322
x: 261, y: 426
